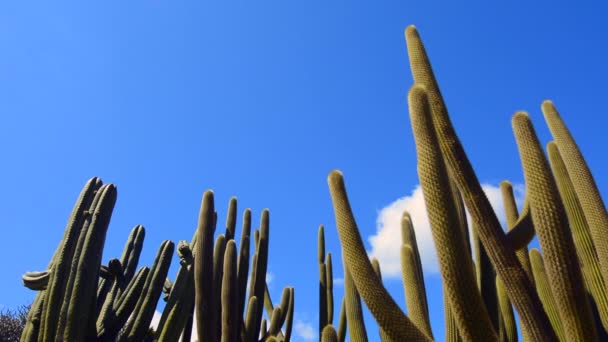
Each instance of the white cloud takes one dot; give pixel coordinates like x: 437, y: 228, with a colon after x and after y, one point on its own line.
x: 338, y: 281
x: 386, y: 243
x: 305, y: 330
x: 155, y: 319
x: 269, y: 277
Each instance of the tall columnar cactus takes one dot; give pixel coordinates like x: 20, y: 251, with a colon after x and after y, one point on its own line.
x: 584, y: 185
x: 387, y: 313
x: 550, y: 221
x: 585, y: 248
x: 456, y: 269
x: 499, y: 250
x: 413, y: 279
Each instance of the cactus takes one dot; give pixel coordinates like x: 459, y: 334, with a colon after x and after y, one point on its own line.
x: 559, y: 296
x: 550, y: 221
x: 584, y: 185
x: 456, y: 269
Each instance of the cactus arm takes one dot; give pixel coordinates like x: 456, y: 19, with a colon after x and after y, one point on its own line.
x: 506, y: 311
x: 322, y: 281
x: 455, y: 265
x: 584, y: 185
x: 503, y: 257
x: 216, y: 300
x: 583, y: 240
x: 329, y: 276
x: 203, y: 267
x: 415, y: 294
x: 231, y: 219
x: 342, y: 322
x: 289, y: 315
x: 85, y: 283
x: 243, y: 262
x: 230, y: 321
x: 354, y: 312
x: 382, y: 306
x: 376, y: 266
x: 551, y: 225
x: 544, y: 291
x: 250, y: 321
x: 152, y: 292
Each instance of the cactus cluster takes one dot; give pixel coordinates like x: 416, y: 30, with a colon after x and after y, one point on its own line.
x: 79, y: 299
x: 559, y: 291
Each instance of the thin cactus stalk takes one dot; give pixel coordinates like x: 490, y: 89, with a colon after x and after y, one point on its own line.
x: 258, y: 275
x: 382, y: 306
x: 329, y: 275
x: 512, y: 216
x: 142, y: 316
x: 551, y: 225
x: 130, y: 256
x: 581, y: 234
x: 503, y: 257
x: 81, y: 307
x: 451, y: 329
x: 584, y: 185
x: 376, y: 267
x: 323, y: 320
x: 250, y: 321
x: 510, y: 328
x: 63, y: 262
x: 230, y: 321
x: 456, y: 268
x: 544, y: 291
x: 63, y: 314
x: 289, y: 315
x: 180, y: 299
x: 415, y: 293
x: 342, y: 322
x: 231, y: 219
x: 203, y: 267
x: 216, y: 304
x: 123, y: 307
x: 243, y: 261
x: 354, y: 312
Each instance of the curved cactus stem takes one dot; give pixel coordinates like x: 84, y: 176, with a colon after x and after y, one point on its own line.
x: 499, y: 250
x: 554, y: 236
x: 544, y: 291
x: 456, y: 268
x: 583, y: 240
x: 382, y: 306
x: 583, y: 182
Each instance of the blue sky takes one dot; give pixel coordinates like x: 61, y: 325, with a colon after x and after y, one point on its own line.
x: 262, y: 100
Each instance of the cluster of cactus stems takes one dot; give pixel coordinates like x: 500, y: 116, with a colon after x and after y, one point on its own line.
x: 559, y: 292
x: 79, y: 299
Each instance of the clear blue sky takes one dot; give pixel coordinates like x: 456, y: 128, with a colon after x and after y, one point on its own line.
x: 262, y: 100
